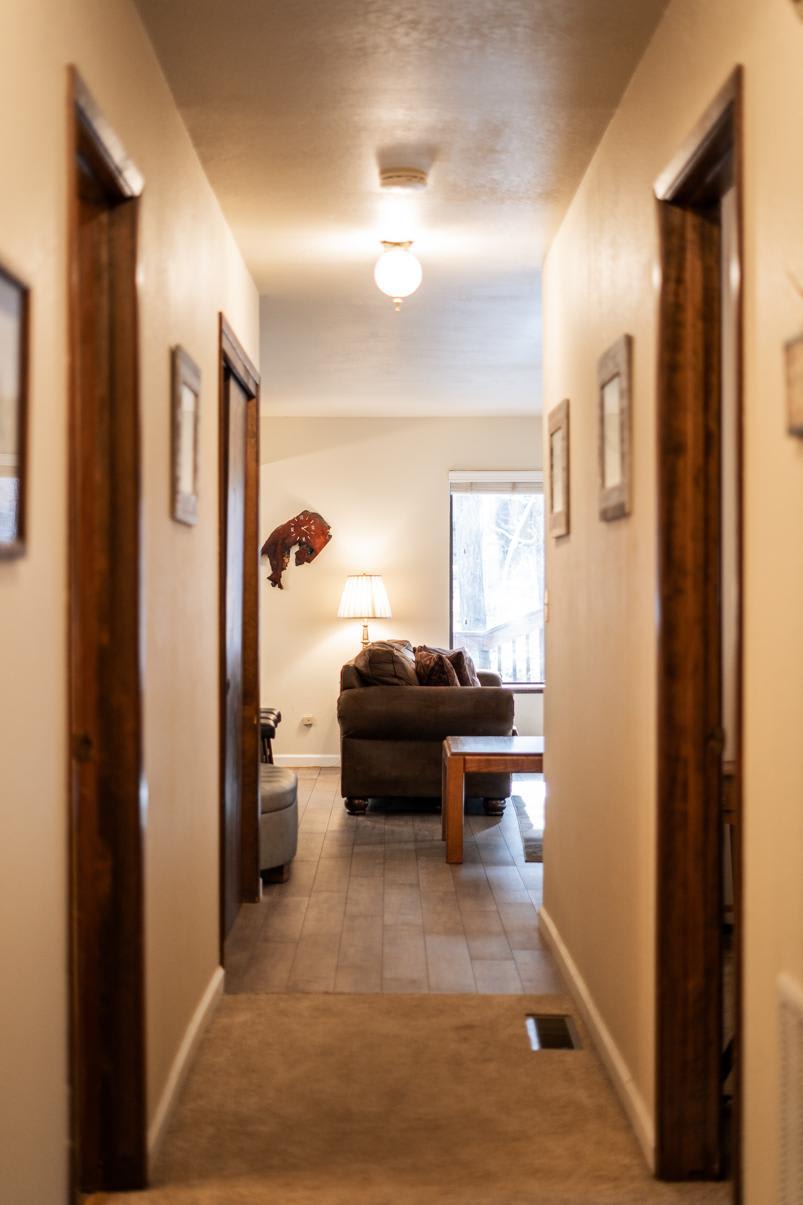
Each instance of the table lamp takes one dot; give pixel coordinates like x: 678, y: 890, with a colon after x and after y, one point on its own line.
x: 364, y: 597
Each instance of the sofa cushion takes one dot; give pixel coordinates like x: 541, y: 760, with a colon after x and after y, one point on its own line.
x: 461, y: 662
x: 425, y: 713
x: 434, y: 669
x: 387, y: 663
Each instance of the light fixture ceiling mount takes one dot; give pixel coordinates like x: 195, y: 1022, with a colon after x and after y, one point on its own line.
x: 403, y: 177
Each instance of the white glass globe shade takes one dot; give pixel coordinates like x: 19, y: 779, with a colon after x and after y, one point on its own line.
x: 397, y: 273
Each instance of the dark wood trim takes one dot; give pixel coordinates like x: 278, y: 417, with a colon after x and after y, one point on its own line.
x: 233, y: 359
x: 697, y: 175
x: 689, y: 821
x: 18, y: 547
x: 106, y: 784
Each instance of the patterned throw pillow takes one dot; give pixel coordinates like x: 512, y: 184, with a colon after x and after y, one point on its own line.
x: 460, y: 661
x: 387, y: 663
x: 434, y: 669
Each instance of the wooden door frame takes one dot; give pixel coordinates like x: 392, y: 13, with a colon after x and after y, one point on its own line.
x: 106, y: 787
x: 233, y: 359
x: 688, y: 1006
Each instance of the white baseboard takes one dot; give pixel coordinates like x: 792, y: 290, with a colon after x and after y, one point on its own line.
x: 626, y: 1089
x: 307, y: 759
x: 181, y: 1063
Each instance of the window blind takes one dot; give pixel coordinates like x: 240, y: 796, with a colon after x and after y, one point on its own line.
x: 504, y: 481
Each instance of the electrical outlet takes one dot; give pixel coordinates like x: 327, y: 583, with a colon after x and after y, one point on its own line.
x: 308, y: 720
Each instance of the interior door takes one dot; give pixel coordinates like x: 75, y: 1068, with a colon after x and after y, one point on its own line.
x: 107, y: 817
x: 236, y: 402
x: 690, y: 734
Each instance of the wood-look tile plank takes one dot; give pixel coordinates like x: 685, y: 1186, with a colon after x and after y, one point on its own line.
x: 401, y: 864
x: 313, y: 820
x: 358, y: 980
x: 475, y: 893
x: 441, y: 913
x: 324, y: 914
x: 404, y: 958
x: 436, y: 875
x: 332, y: 875
x: 361, y: 942
x: 269, y: 969
x: 485, y: 935
x: 310, y: 845
x: 449, y: 964
x: 365, y: 896
x: 284, y: 919
x: 497, y: 976
x: 495, y: 853
x: 402, y: 904
x: 337, y: 843
x: 538, y: 972
x: 302, y: 876
x: 370, y: 830
x: 315, y: 962
x: 368, y: 861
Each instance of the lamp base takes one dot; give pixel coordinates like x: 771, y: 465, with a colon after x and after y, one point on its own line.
x: 365, y: 638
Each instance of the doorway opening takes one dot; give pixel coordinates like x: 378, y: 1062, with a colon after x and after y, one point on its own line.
x: 106, y: 784
x: 700, y: 651
x: 239, y: 630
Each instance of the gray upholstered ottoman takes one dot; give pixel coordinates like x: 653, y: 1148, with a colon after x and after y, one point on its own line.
x: 278, y: 822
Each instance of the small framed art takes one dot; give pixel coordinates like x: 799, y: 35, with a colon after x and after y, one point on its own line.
x: 14, y: 330
x: 186, y: 398
x: 615, y: 391
x: 559, y: 469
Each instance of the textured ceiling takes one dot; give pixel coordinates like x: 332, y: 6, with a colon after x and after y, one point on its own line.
x: 295, y: 104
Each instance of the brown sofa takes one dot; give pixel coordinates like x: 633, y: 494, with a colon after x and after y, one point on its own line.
x: 391, y: 737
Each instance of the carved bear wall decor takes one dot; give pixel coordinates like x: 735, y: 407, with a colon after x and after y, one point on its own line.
x: 308, y: 529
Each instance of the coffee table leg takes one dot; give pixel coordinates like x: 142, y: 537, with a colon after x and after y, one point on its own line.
x: 454, y: 806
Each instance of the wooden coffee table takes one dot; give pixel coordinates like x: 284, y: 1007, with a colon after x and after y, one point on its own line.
x: 480, y: 755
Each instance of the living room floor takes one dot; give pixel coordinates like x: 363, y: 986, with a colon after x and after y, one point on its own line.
x: 372, y: 906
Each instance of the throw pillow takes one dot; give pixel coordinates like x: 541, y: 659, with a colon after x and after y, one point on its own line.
x: 434, y: 669
x: 387, y: 663
x: 461, y: 662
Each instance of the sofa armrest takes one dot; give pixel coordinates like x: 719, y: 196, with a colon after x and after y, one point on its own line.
x: 489, y: 677
x: 429, y: 713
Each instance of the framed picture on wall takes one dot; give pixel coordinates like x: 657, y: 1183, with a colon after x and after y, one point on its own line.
x: 559, y: 469
x: 614, y: 377
x: 14, y: 329
x: 186, y: 397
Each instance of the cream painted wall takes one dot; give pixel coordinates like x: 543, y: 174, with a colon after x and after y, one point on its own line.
x: 190, y: 268
x: 383, y: 485
x: 600, y: 281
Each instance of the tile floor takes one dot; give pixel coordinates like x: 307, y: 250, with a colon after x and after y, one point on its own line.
x: 371, y: 906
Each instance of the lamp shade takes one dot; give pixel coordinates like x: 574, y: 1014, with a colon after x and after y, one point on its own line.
x: 364, y: 597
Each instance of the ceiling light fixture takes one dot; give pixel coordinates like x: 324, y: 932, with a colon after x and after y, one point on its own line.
x: 397, y: 272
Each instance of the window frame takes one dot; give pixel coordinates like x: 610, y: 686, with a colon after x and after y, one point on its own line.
x: 489, y: 478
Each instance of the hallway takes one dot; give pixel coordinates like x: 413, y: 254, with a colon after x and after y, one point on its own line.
x: 398, y: 1100
x: 372, y: 1045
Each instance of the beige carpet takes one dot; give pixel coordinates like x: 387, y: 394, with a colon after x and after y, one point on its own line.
x: 397, y: 1100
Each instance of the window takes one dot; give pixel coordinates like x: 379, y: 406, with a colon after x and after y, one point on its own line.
x: 497, y: 571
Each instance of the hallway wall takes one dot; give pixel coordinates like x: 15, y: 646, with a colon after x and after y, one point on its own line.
x: 601, y: 281
x: 383, y: 485
x: 189, y: 269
